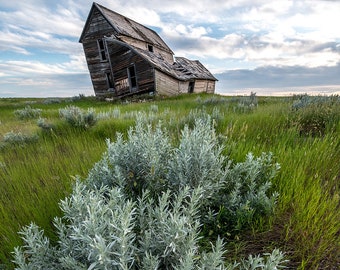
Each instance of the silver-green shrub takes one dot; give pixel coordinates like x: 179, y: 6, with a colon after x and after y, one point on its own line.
x: 315, y: 115
x: 18, y: 138
x: 44, y: 125
x: 102, y: 229
x: 143, y: 205
x: 28, y: 113
x: 77, y: 117
x: 198, y: 161
x: 245, y: 196
x: 269, y: 261
x: 135, y: 164
x: 112, y: 113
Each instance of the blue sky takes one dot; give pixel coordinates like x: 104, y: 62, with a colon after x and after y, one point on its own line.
x: 268, y: 47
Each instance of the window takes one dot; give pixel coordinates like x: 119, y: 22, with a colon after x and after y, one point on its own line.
x: 132, y: 77
x: 150, y: 48
x: 102, y: 50
x: 109, y: 80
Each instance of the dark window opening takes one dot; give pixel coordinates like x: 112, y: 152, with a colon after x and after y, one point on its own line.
x: 191, y: 87
x: 109, y: 80
x: 132, y: 77
x: 102, y: 50
x: 150, y: 48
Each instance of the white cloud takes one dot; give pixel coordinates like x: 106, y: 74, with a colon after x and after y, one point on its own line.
x: 13, y: 68
x: 248, y: 33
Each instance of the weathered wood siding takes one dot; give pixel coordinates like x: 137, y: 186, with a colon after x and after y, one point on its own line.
x: 96, y: 29
x: 204, y: 86
x: 118, y: 54
x: 97, y: 68
x: 183, y: 87
x: 144, y: 46
x: 121, y: 58
x: 169, y: 86
x: 211, y: 87
x: 166, y: 85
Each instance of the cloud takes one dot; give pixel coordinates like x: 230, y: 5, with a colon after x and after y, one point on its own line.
x: 56, y: 20
x: 39, y: 38
x: 77, y: 64
x: 47, y: 85
x: 279, y: 77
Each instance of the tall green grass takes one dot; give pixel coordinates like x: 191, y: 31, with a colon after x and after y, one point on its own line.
x: 35, y: 176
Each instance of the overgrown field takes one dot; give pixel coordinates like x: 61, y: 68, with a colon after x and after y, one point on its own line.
x: 47, y: 144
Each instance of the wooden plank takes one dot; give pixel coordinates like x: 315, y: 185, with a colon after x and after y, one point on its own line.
x: 166, y: 85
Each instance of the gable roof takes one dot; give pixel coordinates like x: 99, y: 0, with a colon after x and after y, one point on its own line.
x: 124, y: 26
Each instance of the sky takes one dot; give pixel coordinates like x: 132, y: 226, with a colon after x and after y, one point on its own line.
x: 268, y: 47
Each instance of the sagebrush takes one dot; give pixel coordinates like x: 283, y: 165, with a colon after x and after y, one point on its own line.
x: 143, y: 206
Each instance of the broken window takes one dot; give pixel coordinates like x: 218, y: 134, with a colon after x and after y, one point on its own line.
x: 109, y: 80
x: 150, y: 48
x: 102, y: 50
x: 132, y: 77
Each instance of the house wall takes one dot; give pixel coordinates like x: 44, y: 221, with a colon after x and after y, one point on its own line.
x: 201, y: 86
x: 204, y: 86
x: 97, y: 28
x: 183, y: 87
x: 166, y: 85
x: 121, y: 58
x: 169, y: 86
x: 97, y: 68
x: 211, y: 87
x: 144, y: 46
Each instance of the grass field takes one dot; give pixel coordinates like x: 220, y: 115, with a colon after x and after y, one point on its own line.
x: 38, y: 164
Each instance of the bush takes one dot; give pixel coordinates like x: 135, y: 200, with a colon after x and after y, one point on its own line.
x: 115, y: 113
x: 245, y: 196
x: 143, y: 204
x: 76, y: 117
x: 315, y: 115
x: 45, y: 126
x: 246, y: 104
x: 12, y: 138
x: 52, y: 101
x: 136, y: 164
x: 27, y: 113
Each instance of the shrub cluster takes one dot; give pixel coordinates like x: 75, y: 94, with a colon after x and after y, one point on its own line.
x: 246, y: 104
x: 27, y: 113
x: 13, y: 138
x: 314, y: 115
x: 77, y: 117
x: 144, y: 203
x: 239, y: 104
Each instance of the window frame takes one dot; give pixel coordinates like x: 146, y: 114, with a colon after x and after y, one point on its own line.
x: 109, y: 81
x: 102, y: 49
x: 132, y: 75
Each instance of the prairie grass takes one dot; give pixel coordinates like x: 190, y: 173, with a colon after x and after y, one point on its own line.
x: 34, y: 177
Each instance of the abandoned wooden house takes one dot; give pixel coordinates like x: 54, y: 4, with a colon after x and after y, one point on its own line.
x: 125, y: 57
